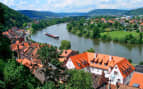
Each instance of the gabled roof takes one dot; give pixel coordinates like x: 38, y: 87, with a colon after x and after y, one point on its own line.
x: 35, y: 45
x: 125, y: 67
x: 139, y: 68
x: 80, y: 61
x: 102, y: 61
x: 62, y: 59
x: 141, y: 24
x: 132, y: 21
x: 127, y: 87
x: 137, y: 78
x: 26, y: 44
x: 25, y: 62
x: 66, y: 53
x: 103, y: 19
x: 14, y: 47
x: 110, y: 21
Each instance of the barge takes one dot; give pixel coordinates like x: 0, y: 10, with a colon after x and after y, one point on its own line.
x: 53, y: 36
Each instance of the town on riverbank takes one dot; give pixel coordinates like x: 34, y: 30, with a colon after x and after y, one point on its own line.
x: 107, y: 71
x: 99, y: 49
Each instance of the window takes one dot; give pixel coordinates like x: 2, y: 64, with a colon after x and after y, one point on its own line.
x: 118, y: 80
x: 115, y: 72
x: 79, y: 64
x: 105, y: 64
x: 84, y: 62
x: 92, y: 61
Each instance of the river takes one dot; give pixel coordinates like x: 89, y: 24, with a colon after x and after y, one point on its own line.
x: 132, y: 51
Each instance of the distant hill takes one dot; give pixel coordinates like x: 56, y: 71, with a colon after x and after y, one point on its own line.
x: 106, y: 12
x: 10, y: 17
x: 38, y: 14
x: 44, y: 14
x: 96, y: 12
x: 138, y: 11
x: 72, y: 14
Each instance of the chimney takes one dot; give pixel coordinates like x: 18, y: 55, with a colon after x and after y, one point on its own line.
x: 110, y: 58
x: 95, y: 55
x: 65, y: 51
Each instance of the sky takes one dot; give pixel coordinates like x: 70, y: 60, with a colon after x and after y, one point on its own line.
x: 72, y: 5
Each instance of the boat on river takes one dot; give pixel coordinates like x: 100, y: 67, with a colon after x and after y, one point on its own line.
x: 53, y: 36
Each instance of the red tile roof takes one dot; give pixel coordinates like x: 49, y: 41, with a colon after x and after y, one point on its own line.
x: 102, y: 61
x: 80, y: 61
x: 25, y: 62
x: 141, y: 24
x: 125, y: 67
x: 126, y: 87
x: 35, y: 45
x: 14, y: 47
x: 110, y: 21
x: 66, y: 53
x: 26, y: 44
x: 137, y: 78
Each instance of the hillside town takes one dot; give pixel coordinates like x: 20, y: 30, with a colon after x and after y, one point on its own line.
x: 108, y: 72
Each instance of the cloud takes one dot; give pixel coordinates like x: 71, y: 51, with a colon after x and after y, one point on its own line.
x: 72, y: 5
x: 8, y: 2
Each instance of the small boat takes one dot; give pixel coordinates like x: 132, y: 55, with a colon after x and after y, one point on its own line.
x: 53, y: 36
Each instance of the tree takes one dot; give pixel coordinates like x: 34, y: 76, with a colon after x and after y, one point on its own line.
x: 79, y: 80
x: 141, y: 63
x: 130, y: 60
x: 17, y: 76
x: 2, y: 65
x: 49, y: 55
x: 91, y: 50
x: 2, y: 83
x: 140, y: 37
x: 5, y: 51
x: 65, y: 44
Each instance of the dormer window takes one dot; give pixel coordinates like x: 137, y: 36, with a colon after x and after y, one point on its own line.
x: 92, y: 61
x: 115, y: 72
x: 65, y: 52
x: 100, y: 63
x: 79, y: 64
x: 84, y: 62
x: 105, y: 64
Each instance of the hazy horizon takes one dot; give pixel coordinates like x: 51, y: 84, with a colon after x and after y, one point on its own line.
x: 72, y: 5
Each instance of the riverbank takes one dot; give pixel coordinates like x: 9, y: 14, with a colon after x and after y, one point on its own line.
x: 123, y: 37
x: 42, y: 24
x: 129, y: 51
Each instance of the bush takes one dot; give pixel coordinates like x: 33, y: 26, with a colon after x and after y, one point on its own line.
x: 108, y: 38
x: 116, y: 39
x: 104, y: 37
x: 65, y: 44
x: 91, y: 50
x: 130, y: 60
x: 79, y: 80
x: 141, y: 63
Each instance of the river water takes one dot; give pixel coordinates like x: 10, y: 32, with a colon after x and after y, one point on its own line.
x: 132, y: 51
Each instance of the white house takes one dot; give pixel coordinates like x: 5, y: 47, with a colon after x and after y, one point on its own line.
x: 117, y: 69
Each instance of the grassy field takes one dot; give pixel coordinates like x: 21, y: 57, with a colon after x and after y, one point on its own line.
x: 119, y: 34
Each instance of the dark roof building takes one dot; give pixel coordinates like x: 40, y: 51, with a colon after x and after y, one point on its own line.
x: 139, y: 68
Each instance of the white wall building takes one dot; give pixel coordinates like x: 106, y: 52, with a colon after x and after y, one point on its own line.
x: 117, y: 69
